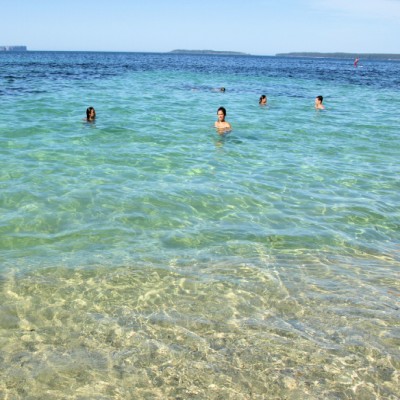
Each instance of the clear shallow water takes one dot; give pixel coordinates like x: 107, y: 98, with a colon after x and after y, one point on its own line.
x: 145, y: 256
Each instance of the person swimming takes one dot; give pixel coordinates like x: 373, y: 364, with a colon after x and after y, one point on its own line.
x: 263, y: 100
x: 90, y: 114
x: 318, y: 103
x: 221, y: 124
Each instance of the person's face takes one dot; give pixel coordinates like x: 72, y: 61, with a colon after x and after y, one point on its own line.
x: 91, y: 113
x: 264, y: 100
x: 317, y: 101
x: 221, y: 116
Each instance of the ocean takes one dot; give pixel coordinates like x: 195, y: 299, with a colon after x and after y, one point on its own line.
x: 146, y: 256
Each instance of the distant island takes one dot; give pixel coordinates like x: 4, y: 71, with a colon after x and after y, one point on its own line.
x: 13, y: 48
x: 364, y: 56
x: 210, y: 52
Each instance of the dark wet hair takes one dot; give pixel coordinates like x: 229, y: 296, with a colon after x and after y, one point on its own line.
x: 222, y: 89
x: 320, y: 98
x: 88, y: 110
x: 223, y: 110
x: 263, y: 96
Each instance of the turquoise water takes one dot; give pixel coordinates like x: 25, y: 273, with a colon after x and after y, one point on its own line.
x: 146, y: 256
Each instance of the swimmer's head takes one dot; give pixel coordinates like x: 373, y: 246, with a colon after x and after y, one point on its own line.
x: 90, y: 113
x: 222, y: 89
x: 318, y: 102
x: 221, y: 112
x: 263, y: 99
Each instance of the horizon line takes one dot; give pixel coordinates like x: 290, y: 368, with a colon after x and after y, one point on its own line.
x: 208, y: 52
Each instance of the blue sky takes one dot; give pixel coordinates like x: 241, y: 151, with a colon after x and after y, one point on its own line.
x: 263, y: 27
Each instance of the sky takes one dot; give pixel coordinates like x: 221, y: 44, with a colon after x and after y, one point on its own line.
x: 259, y: 27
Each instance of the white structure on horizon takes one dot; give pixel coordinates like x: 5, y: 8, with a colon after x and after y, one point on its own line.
x: 13, y: 48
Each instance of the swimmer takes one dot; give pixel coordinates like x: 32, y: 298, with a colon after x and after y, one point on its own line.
x: 263, y: 100
x: 90, y: 114
x: 221, y: 124
x: 221, y: 89
x: 318, y: 103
